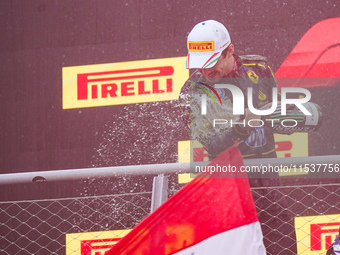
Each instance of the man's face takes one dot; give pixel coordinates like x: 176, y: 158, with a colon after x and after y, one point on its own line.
x: 223, y: 66
x: 216, y: 72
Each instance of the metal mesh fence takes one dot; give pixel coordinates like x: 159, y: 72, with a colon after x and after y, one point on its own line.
x: 39, y: 226
x: 288, y: 214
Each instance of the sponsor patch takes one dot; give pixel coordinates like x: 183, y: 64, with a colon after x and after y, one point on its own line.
x: 201, y: 46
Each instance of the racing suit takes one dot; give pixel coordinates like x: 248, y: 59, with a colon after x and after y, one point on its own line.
x: 252, y: 71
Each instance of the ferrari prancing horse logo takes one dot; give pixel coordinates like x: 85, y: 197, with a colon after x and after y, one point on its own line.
x: 253, y: 76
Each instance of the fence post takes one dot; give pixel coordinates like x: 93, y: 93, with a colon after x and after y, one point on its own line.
x: 159, y: 191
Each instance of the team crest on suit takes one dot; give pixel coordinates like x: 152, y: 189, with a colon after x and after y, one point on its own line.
x: 253, y: 76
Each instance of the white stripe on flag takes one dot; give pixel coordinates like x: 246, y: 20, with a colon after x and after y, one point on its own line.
x: 246, y: 239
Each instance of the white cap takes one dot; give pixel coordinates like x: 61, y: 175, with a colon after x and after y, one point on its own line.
x: 206, y: 41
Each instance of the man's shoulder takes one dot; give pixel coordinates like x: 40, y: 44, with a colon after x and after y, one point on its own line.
x: 252, y: 61
x: 252, y: 58
x: 256, y: 63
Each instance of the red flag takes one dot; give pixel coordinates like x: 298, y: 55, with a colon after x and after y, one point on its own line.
x: 213, y: 214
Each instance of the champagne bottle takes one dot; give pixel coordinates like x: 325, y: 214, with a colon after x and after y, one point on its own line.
x: 294, y: 120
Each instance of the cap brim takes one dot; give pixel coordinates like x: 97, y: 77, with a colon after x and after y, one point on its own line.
x: 201, y: 60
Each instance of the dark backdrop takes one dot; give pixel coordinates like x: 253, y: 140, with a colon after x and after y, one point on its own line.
x: 39, y: 37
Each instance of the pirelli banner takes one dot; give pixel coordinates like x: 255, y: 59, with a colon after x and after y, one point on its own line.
x: 295, y: 145
x: 314, y: 234
x: 123, y: 83
x: 93, y: 243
